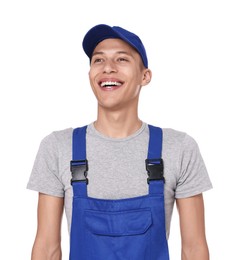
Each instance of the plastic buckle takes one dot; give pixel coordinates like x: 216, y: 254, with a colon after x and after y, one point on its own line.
x: 79, y: 170
x: 155, y: 169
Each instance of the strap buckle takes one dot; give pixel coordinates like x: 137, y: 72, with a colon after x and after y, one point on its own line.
x: 155, y: 169
x: 79, y: 170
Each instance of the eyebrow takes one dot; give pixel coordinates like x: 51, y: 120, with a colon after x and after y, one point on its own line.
x: 118, y: 52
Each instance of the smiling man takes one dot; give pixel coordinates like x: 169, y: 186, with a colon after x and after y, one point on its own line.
x: 125, y: 174
x: 117, y: 75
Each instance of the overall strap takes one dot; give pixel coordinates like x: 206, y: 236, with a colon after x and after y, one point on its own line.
x: 79, y: 164
x: 155, y: 142
x: 154, y: 162
x: 79, y: 143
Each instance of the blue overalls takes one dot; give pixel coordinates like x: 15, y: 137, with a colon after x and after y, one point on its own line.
x: 123, y: 229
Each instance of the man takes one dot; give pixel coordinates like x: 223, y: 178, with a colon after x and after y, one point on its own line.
x: 122, y: 203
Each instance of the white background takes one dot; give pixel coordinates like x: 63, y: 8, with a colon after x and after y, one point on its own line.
x: 44, y: 87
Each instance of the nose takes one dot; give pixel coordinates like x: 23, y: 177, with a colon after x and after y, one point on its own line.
x: 109, y: 67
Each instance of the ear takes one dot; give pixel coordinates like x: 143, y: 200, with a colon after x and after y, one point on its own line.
x: 147, y: 76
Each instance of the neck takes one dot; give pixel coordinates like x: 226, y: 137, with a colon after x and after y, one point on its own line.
x: 117, y: 124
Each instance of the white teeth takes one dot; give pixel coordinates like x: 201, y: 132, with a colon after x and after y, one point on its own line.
x: 110, y: 83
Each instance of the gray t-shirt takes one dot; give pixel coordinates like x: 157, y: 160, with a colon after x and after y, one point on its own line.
x: 117, y: 167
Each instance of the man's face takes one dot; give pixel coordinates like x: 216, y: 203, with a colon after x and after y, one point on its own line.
x: 116, y: 74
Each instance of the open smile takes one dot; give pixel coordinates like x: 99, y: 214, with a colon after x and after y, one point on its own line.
x: 109, y: 84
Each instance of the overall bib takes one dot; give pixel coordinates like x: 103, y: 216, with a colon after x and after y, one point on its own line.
x: 123, y: 229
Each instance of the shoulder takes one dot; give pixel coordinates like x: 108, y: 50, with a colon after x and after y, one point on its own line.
x: 56, y: 141
x: 179, y: 146
x: 178, y: 138
x: 186, y: 173
x: 173, y: 136
x: 58, y: 136
x: 62, y: 136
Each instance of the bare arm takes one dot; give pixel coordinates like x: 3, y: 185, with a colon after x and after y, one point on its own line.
x: 192, y: 226
x: 48, y: 238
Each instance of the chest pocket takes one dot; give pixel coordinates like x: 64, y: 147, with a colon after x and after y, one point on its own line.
x: 118, y: 235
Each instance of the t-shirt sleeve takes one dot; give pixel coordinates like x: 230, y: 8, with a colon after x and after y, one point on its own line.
x: 193, y: 177
x: 44, y: 177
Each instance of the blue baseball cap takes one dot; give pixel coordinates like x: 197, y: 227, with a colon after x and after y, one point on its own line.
x: 101, y: 32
